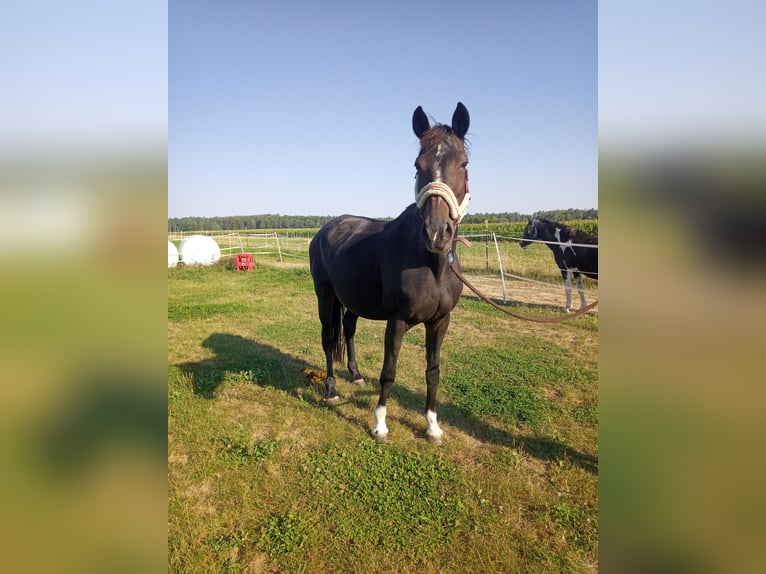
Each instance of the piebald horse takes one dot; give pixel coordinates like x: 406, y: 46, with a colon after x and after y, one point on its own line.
x: 567, y: 246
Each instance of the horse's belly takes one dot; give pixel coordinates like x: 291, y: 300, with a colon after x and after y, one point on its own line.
x: 373, y: 301
x: 361, y: 297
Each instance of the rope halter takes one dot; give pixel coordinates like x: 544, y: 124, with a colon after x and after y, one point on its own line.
x: 456, y: 211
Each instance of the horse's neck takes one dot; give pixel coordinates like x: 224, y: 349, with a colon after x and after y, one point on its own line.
x: 438, y: 263
x: 548, y: 233
x: 410, y: 219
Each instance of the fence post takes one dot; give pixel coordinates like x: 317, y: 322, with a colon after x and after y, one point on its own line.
x: 278, y: 247
x: 500, y: 262
x: 486, y: 243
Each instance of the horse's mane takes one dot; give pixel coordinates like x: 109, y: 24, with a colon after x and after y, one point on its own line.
x: 437, y: 133
x: 577, y: 235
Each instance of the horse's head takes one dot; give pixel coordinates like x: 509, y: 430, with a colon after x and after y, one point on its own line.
x: 441, y: 181
x: 530, y: 233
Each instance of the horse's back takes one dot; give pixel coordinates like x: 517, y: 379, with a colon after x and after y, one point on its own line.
x: 345, y: 230
x: 340, y: 238
x: 344, y: 258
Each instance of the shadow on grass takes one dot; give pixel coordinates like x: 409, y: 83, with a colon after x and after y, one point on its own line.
x: 267, y: 366
x: 542, y: 448
x: 257, y: 362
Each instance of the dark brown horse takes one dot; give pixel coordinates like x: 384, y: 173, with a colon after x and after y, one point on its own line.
x: 397, y: 271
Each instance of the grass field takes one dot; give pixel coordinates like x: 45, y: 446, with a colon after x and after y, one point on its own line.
x: 263, y: 476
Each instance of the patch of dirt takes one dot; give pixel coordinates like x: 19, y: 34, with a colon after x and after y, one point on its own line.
x: 180, y: 458
x: 552, y: 394
x: 287, y: 263
x: 528, y: 293
x: 259, y: 562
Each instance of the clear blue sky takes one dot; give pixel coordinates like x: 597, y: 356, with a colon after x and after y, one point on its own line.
x: 83, y: 76
x: 681, y: 75
x: 304, y: 108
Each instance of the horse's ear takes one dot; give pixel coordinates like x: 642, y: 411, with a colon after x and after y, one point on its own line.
x: 460, y: 120
x: 420, y: 124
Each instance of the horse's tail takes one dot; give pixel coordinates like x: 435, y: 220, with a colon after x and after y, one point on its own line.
x: 338, y: 340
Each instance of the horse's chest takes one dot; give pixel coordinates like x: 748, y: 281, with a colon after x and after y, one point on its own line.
x: 565, y: 255
x: 422, y: 298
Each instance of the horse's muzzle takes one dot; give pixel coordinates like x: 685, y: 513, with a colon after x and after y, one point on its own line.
x: 438, y: 225
x: 439, y: 237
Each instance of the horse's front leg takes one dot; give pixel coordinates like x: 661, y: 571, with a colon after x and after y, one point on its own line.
x: 581, y: 291
x: 434, y: 336
x: 395, y: 330
x: 568, y: 290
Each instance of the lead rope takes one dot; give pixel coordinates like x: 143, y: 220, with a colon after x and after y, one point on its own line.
x: 456, y: 271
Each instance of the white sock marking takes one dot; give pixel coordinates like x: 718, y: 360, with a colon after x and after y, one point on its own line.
x: 380, y: 418
x: 433, y: 426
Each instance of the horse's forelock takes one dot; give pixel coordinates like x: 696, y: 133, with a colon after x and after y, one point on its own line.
x: 436, y: 135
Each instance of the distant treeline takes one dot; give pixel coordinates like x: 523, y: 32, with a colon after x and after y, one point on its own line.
x: 275, y: 221
x: 247, y: 222
x: 556, y: 215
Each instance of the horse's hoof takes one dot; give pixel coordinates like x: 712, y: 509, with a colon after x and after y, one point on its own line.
x: 360, y: 382
x: 379, y: 437
x: 565, y: 309
x: 332, y: 400
x: 436, y: 439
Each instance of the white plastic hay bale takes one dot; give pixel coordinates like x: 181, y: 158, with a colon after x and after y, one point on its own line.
x: 172, y: 254
x: 199, y: 249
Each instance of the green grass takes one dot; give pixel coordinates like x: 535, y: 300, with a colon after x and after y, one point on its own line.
x: 369, y: 502
x: 482, y: 384
x: 263, y: 476
x: 181, y: 312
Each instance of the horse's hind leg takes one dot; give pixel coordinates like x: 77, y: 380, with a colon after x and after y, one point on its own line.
x: 349, y: 330
x: 329, y: 315
x: 581, y: 291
